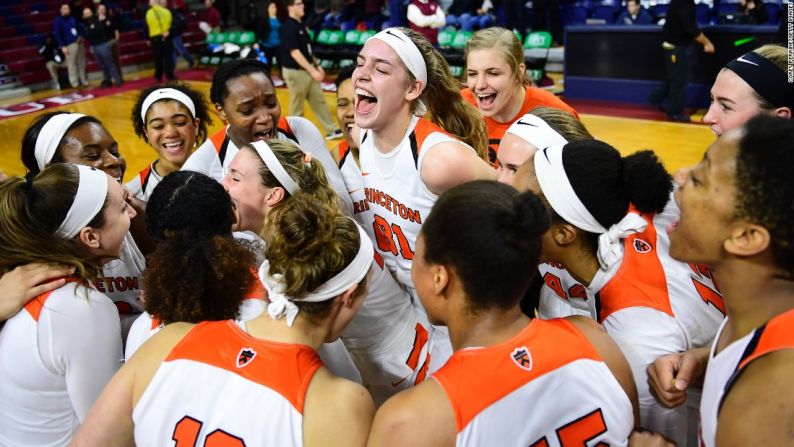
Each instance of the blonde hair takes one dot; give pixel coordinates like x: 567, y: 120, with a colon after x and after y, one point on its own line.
x: 308, y: 242
x: 508, y: 45
x: 32, y: 209
x: 563, y: 123
x: 442, y: 96
x: 310, y: 177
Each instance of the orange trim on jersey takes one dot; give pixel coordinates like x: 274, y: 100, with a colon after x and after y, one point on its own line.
x: 257, y: 290
x: 640, y: 280
x: 425, y: 127
x: 462, y: 377
x: 379, y: 260
x: 144, y: 174
x: 217, y: 140
x: 155, y: 323
x: 35, y: 306
x: 284, y: 368
x: 777, y: 335
x: 283, y: 125
x: 343, y: 148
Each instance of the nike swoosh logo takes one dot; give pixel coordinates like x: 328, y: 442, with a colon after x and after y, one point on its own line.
x: 526, y: 123
x: 742, y: 59
x: 395, y: 384
x: 351, y: 192
x: 364, y: 174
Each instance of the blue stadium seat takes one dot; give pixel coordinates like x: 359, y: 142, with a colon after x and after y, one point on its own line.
x: 702, y: 13
x: 605, y: 12
x: 773, y: 11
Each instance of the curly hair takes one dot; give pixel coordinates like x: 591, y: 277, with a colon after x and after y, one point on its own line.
x: 199, y: 102
x: 28, y: 145
x: 442, y: 96
x: 197, y: 272
x: 308, y: 242
x: 32, y: 209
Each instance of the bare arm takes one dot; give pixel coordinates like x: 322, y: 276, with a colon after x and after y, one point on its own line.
x: 449, y: 164
x: 758, y: 409
x: 315, y: 72
x: 329, y: 397
x: 420, y: 416
x: 708, y: 47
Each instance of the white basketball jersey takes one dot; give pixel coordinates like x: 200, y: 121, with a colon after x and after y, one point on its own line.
x: 529, y: 392
x: 122, y: 279
x: 243, y: 391
x: 397, y: 197
x: 725, y: 368
x: 144, y: 183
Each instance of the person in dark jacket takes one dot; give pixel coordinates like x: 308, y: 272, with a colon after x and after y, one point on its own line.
x: 634, y: 14
x: 178, y: 25
x: 68, y: 36
x: 54, y: 58
x: 100, y: 35
x: 680, y: 29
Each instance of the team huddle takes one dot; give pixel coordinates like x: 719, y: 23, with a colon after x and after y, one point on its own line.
x: 471, y: 268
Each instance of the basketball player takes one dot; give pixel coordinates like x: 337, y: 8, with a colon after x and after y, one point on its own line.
x: 172, y: 120
x: 244, y: 97
x: 508, y: 382
x: 609, y: 231
x: 261, y: 382
x: 498, y: 84
x: 736, y: 217
x: 388, y: 339
x: 345, y: 111
x: 191, y: 217
x: 755, y: 82
x: 406, y: 160
x: 25, y: 282
x: 81, y: 139
x: 65, y: 345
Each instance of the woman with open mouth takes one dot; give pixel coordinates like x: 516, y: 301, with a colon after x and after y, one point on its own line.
x: 498, y: 83
x: 172, y: 120
x: 407, y: 160
x: 61, y: 137
x: 245, y: 98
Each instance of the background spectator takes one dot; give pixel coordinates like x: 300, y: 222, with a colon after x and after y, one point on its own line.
x: 546, y: 17
x: 426, y: 17
x: 471, y: 14
x: 99, y: 34
x: 178, y: 24
x: 158, y: 23
x: 69, y: 38
x: 635, y: 14
x: 103, y: 15
x: 754, y: 10
x: 269, y: 38
x: 210, y: 18
x: 54, y: 59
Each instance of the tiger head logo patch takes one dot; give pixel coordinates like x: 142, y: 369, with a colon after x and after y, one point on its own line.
x: 245, y: 356
x: 522, y: 358
x: 640, y: 246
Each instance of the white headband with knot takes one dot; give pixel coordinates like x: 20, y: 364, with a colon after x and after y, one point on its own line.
x: 409, y: 54
x: 536, y: 132
x: 51, y: 135
x: 282, y: 305
x: 555, y: 185
x: 167, y: 93
x: 272, y: 163
x: 92, y: 189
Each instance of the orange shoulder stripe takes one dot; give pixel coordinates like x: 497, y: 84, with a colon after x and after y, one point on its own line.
x: 425, y: 127
x: 283, y: 124
x: 640, y: 281
x: 343, y: 149
x: 284, y: 368
x: 144, y: 174
x: 532, y: 353
x: 217, y: 139
x: 35, y: 306
x: 777, y: 335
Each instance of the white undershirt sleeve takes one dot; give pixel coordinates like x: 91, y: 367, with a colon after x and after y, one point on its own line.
x: 416, y: 17
x: 80, y: 339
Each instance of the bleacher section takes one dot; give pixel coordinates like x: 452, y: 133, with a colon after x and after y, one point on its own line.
x: 23, y: 26
x: 606, y: 12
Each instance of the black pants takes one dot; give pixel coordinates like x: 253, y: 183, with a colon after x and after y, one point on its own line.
x: 542, y: 8
x: 514, y: 15
x: 675, y: 83
x: 163, y: 50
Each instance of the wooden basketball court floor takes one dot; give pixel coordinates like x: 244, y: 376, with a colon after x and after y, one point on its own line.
x: 678, y: 145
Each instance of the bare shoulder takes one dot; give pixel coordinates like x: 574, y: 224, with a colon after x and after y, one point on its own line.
x: 336, y: 411
x: 420, y: 416
x: 147, y: 359
x: 450, y: 163
x: 758, y: 409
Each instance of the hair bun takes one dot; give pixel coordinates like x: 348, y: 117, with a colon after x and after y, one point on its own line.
x: 647, y: 182
x: 532, y: 217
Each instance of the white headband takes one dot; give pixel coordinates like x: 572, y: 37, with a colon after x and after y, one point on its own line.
x: 409, y: 53
x: 272, y: 163
x: 51, y: 135
x: 92, y: 189
x: 555, y: 185
x: 536, y: 132
x: 167, y: 93
x: 282, y: 305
